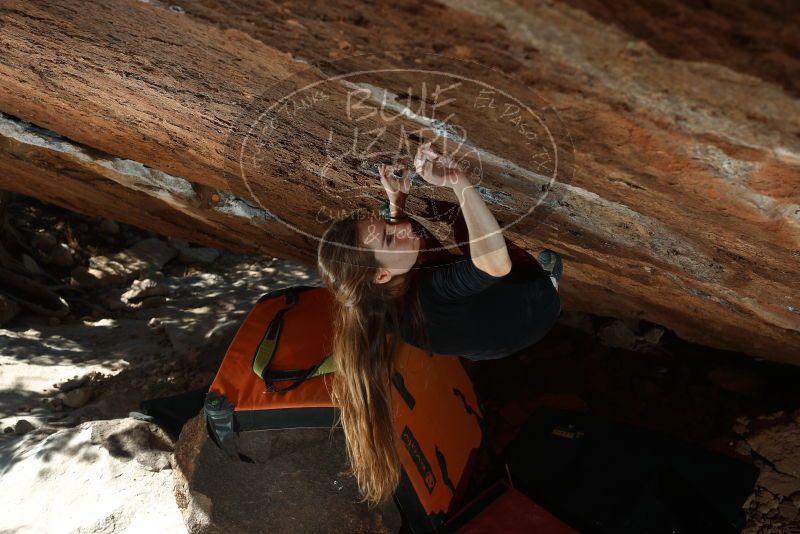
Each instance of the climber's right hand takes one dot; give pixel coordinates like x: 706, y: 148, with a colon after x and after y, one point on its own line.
x: 435, y: 168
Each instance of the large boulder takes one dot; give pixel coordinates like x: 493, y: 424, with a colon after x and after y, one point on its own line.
x: 676, y: 147
x: 295, y: 485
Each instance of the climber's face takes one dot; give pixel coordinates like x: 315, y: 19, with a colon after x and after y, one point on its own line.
x: 396, y: 245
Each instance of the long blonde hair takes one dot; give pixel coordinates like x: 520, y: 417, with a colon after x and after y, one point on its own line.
x: 366, y: 334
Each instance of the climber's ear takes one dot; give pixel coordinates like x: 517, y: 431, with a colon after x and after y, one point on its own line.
x: 382, y: 276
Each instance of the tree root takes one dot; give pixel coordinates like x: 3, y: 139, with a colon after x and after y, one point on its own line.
x: 32, y: 295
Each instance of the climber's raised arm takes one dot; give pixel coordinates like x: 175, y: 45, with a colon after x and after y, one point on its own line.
x: 487, y: 244
x: 396, y: 187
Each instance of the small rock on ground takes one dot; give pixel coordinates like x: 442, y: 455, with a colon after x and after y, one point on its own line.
x: 23, y: 427
x: 77, y: 397
x: 61, y: 255
x: 201, y: 255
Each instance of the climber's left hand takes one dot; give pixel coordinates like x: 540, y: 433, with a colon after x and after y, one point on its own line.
x: 396, y: 187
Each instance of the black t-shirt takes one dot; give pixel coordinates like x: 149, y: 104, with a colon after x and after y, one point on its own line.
x: 473, y: 314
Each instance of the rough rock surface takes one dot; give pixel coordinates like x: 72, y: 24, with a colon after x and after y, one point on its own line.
x: 143, y: 289
x: 202, y: 255
x: 772, y: 441
x: 682, y: 207
x: 101, y: 476
x: 296, y: 472
x: 8, y: 309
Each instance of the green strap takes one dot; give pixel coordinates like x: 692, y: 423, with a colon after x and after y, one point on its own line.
x: 268, y: 346
x: 327, y: 366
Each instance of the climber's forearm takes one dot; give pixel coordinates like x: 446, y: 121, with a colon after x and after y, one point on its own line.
x: 398, y: 206
x: 487, y: 244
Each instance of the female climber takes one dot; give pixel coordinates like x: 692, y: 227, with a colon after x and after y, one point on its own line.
x: 478, y: 306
